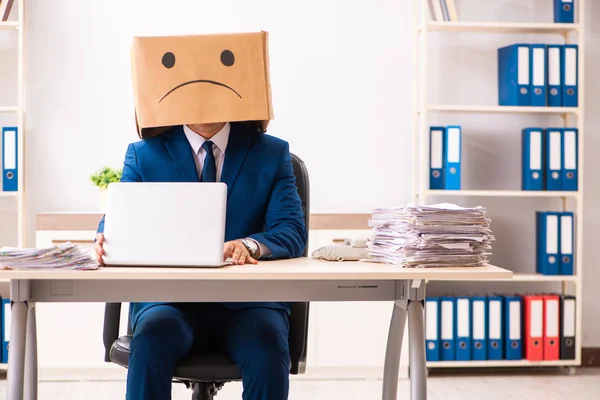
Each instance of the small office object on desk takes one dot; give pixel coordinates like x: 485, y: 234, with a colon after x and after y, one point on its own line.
x: 301, y: 279
x: 513, y: 76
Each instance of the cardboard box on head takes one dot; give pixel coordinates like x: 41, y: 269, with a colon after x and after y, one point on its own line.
x: 197, y: 79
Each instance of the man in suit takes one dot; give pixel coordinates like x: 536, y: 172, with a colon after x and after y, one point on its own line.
x: 264, y: 221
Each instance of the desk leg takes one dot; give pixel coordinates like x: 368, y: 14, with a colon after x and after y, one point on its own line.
x: 16, y: 354
x: 416, y: 353
x: 31, y: 364
x: 392, y: 351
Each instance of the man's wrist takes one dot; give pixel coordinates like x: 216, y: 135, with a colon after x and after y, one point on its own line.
x: 252, y: 246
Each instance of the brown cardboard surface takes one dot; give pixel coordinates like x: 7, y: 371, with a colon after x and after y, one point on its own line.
x: 201, y: 79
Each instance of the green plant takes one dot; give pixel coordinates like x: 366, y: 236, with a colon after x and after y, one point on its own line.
x: 105, y: 176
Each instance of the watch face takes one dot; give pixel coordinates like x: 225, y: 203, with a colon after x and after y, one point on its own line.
x: 252, y: 248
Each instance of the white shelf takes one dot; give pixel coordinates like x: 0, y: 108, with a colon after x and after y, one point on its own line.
x: 501, y: 363
x: 10, y: 194
x: 4, y: 109
x: 500, y: 193
x: 517, y: 277
x: 9, y: 25
x: 503, y: 109
x: 501, y: 27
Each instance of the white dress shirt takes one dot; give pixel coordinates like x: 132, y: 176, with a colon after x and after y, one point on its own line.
x: 220, y: 140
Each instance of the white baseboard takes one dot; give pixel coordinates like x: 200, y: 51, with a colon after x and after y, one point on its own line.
x: 115, y: 373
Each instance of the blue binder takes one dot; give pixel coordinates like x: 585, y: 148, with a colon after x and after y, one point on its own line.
x: 10, y: 159
x: 436, y: 157
x: 495, y: 338
x: 570, y: 75
x: 567, y: 242
x: 547, y: 242
x: 514, y: 86
x: 432, y: 328
x: 564, y: 11
x: 532, y: 177
x: 554, y: 156
x: 452, y: 157
x: 479, y: 326
x: 554, y: 75
x: 513, y: 341
x: 447, y: 332
x: 570, y: 159
x: 6, y: 315
x: 463, y: 328
x: 537, y: 74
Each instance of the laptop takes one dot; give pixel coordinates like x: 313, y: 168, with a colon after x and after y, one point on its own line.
x: 165, y: 224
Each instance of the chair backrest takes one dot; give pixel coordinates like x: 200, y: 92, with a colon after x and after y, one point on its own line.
x: 298, y: 340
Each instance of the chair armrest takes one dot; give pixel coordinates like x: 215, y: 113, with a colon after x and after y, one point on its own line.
x: 112, y: 318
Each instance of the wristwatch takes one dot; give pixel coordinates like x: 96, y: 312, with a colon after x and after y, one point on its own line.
x: 252, y: 247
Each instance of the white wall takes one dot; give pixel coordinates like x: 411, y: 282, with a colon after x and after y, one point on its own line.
x: 341, y: 77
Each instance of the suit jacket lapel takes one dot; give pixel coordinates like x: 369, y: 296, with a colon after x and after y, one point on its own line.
x: 181, y: 151
x: 237, y: 148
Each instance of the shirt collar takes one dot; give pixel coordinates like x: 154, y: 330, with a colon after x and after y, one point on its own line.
x: 220, y: 139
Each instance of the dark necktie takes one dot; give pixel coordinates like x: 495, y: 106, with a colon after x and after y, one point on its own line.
x: 209, y: 170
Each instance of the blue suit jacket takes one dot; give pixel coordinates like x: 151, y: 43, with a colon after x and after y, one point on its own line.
x: 262, y: 199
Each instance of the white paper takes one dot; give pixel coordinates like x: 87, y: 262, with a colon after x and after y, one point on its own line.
x: 535, y: 150
x: 552, y: 318
x: 515, y: 320
x: 447, y: 320
x: 523, y: 54
x: 537, y: 316
x: 462, y: 316
x: 495, y: 320
x: 539, y: 67
x: 554, y: 66
x: 552, y: 234
x: 431, y: 320
x: 10, y: 149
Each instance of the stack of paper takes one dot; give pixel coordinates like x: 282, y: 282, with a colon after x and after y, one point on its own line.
x: 441, y: 235
x: 64, y: 256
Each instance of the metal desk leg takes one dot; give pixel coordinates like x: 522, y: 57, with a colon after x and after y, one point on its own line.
x: 31, y: 364
x: 392, y: 351
x: 16, y: 355
x: 416, y: 353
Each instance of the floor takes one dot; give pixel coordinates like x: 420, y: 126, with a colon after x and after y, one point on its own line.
x: 584, y: 385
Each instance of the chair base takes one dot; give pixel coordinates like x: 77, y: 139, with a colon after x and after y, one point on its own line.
x: 204, y: 390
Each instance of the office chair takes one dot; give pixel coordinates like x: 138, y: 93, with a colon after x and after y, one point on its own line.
x: 206, y: 373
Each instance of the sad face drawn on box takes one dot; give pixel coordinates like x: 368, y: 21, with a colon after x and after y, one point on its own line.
x: 200, y: 79
x: 227, y: 59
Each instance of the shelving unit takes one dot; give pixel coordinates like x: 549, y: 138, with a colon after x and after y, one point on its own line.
x: 500, y: 27
x: 501, y: 193
x: 503, y: 109
x: 571, y: 117
x: 501, y: 363
x: 19, y: 111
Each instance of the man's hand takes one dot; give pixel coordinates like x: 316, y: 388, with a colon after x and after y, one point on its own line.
x: 239, y: 254
x: 99, y: 249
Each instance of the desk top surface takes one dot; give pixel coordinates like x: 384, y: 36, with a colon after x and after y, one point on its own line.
x: 294, y: 269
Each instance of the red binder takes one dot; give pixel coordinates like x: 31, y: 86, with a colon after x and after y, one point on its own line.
x: 551, y: 327
x: 534, y: 327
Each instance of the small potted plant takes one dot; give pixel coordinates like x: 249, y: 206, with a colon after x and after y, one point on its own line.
x: 102, y: 178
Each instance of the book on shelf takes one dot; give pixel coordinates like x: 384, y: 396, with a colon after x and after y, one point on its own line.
x: 443, y: 10
x: 5, y: 8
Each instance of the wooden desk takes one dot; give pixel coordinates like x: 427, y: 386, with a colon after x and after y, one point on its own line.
x: 301, y: 279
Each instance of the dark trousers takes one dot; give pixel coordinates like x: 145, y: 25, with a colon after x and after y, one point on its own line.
x: 256, y: 339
